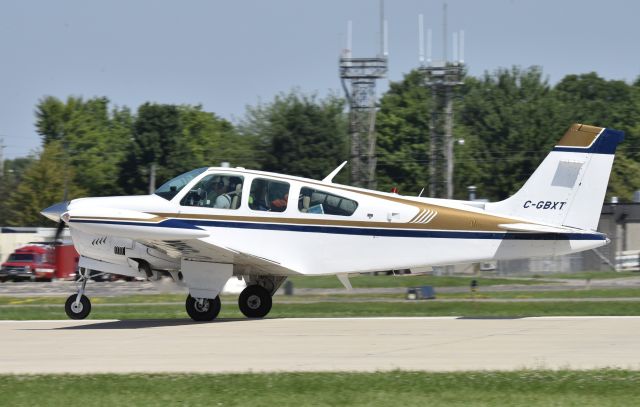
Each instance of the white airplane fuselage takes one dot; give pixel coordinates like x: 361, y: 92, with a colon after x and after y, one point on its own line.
x: 385, y: 231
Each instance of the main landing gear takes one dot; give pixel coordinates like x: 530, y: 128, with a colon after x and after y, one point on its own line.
x: 203, y: 309
x: 255, y: 301
x: 78, y: 305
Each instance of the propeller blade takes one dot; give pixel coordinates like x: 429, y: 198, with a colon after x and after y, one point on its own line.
x: 57, y: 238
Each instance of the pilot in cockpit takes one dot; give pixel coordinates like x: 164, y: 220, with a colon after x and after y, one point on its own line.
x: 223, y: 200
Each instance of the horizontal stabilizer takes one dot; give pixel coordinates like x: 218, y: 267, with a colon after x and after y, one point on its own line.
x: 534, y: 228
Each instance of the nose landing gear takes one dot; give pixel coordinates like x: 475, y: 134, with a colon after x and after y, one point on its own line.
x: 78, y: 305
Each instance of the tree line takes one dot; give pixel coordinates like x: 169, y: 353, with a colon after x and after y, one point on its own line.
x: 509, y: 120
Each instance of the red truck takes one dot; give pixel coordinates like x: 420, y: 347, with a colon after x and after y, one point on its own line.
x: 40, y: 262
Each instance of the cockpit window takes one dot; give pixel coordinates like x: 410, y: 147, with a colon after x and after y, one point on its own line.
x: 171, y: 188
x: 222, y: 191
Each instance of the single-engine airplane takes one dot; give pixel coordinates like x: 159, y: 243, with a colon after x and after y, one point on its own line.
x: 210, y: 224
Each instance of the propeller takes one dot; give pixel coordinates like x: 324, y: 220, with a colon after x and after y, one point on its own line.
x: 55, y: 212
x: 56, y: 239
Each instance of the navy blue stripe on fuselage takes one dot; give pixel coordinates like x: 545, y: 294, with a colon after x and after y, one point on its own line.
x: 358, y: 231
x: 168, y: 223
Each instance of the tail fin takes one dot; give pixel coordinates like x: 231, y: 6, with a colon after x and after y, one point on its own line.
x: 568, y: 188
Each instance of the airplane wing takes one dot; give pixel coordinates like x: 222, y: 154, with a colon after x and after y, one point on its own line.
x: 176, y: 238
x: 203, y: 250
x: 130, y: 224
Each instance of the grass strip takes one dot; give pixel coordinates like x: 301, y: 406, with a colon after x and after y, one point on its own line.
x: 348, y: 309
x: 395, y: 388
x: 631, y: 292
x: 593, y: 275
x: 370, y: 281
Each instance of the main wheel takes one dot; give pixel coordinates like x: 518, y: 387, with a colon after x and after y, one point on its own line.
x: 206, y: 310
x: 255, y: 301
x: 80, y: 310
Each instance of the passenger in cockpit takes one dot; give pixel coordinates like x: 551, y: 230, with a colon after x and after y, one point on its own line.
x: 258, y: 196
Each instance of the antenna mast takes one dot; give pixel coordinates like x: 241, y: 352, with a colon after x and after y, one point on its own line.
x: 358, y: 77
x: 442, y: 77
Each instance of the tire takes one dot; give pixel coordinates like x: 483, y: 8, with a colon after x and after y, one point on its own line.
x: 81, y: 311
x: 255, y: 301
x: 208, y: 312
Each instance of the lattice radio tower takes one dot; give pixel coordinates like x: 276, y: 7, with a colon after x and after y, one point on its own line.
x: 441, y: 77
x: 358, y: 76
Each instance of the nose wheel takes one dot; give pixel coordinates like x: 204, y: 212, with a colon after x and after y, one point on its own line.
x: 78, y: 305
x: 255, y: 301
x: 77, y: 309
x: 203, y: 309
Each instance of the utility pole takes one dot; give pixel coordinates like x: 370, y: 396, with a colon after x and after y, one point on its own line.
x: 441, y: 77
x: 152, y: 179
x: 2, y: 146
x: 358, y: 76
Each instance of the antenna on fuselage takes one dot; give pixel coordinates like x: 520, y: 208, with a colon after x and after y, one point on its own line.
x: 329, y: 178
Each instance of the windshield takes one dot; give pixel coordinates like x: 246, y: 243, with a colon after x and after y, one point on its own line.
x: 171, y: 188
x: 21, y: 258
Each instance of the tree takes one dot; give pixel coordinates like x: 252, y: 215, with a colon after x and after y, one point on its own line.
x: 42, y: 185
x: 590, y: 99
x: 402, y: 127
x: 93, y: 139
x: 512, y: 121
x: 13, y: 173
x: 177, y: 139
x: 299, y: 134
x: 212, y: 140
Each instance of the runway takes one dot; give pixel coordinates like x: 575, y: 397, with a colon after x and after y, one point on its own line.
x: 319, y: 344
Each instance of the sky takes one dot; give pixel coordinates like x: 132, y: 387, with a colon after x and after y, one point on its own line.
x: 227, y: 55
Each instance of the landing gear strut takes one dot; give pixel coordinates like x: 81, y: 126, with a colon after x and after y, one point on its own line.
x: 255, y: 301
x: 203, y: 309
x: 78, y: 305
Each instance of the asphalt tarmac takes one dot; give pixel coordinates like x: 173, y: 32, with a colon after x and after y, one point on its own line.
x: 319, y: 344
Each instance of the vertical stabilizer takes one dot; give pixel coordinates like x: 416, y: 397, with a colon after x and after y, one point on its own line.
x: 568, y: 188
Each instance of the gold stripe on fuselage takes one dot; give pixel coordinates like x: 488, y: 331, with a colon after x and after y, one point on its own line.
x: 447, y: 218
x: 429, y: 216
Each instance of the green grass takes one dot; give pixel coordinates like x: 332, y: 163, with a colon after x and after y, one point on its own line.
x: 121, y: 299
x: 594, y: 275
x: 396, y: 388
x: 370, y: 281
x: 346, y: 309
x: 551, y: 294
x: 482, y: 293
